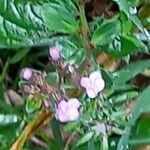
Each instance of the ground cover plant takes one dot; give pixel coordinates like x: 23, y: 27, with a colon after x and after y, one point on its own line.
x: 74, y: 74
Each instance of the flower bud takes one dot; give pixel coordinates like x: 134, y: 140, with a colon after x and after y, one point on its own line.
x: 26, y: 73
x: 54, y: 53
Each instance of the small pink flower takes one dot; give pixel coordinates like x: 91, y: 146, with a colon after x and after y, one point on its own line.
x: 54, y: 53
x: 26, y: 73
x: 94, y: 84
x: 68, y: 111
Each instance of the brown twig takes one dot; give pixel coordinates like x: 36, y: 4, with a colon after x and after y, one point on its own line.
x: 69, y: 140
x: 31, y: 128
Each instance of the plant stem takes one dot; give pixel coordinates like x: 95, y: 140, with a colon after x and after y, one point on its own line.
x: 4, y: 72
x: 31, y: 128
x: 69, y: 140
x: 84, y: 26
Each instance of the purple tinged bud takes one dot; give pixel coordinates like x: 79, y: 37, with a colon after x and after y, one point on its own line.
x: 54, y: 53
x: 26, y: 73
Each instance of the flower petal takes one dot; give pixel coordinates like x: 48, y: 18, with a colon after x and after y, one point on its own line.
x: 99, y: 85
x: 85, y: 82
x: 61, y: 116
x: 95, y: 75
x: 73, y: 114
x: 62, y: 105
x: 91, y: 93
x: 73, y: 103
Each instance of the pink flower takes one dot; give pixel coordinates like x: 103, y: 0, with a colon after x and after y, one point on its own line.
x: 68, y: 111
x: 94, y: 84
x: 54, y: 53
x: 26, y: 73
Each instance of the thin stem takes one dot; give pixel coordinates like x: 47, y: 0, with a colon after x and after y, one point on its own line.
x: 4, y: 73
x: 69, y: 141
x: 84, y: 26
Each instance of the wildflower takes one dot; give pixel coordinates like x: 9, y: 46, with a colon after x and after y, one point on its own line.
x: 94, y: 84
x: 54, y: 53
x: 26, y: 73
x: 68, y: 111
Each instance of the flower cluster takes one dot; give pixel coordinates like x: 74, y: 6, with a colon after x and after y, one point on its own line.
x: 68, y: 111
x: 94, y: 84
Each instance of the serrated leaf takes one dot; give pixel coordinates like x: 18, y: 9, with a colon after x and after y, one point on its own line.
x: 85, y: 138
x: 106, y: 33
x: 59, y: 19
x: 23, y: 24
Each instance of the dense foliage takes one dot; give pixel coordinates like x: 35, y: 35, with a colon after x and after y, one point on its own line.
x: 56, y: 92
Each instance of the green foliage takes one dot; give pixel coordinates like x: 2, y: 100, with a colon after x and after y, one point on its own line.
x: 57, y: 134
x: 88, y: 136
x: 32, y: 23
x: 121, y: 77
x: 142, y: 106
x: 42, y: 23
x: 34, y: 104
x: 106, y: 33
x: 53, y: 78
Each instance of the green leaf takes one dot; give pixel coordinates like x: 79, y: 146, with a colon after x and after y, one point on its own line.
x: 57, y: 133
x: 8, y: 119
x: 122, y: 97
x: 21, y: 24
x: 126, y: 7
x: 91, y: 145
x: 52, y: 78
x: 59, y: 19
x: 142, y: 106
x: 106, y: 33
x: 18, y: 56
x: 34, y: 104
x: 124, y: 45
x: 85, y: 138
x: 32, y: 23
x: 71, y: 53
x: 51, y: 144
x: 71, y: 125
x: 122, y: 76
x: 137, y: 22
x: 8, y: 134
x: 123, y: 6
